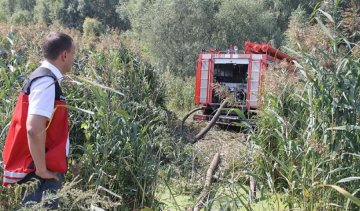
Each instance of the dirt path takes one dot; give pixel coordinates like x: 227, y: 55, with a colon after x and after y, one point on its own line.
x: 234, y: 148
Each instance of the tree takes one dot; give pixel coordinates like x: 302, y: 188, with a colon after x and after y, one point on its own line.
x: 136, y: 11
x: 8, y: 6
x: 3, y: 17
x: 42, y: 12
x: 103, y: 10
x: 22, y: 17
x: 67, y: 13
x: 25, y: 5
x: 174, y: 31
x: 92, y: 26
x: 22, y: 8
x: 282, y: 9
x: 243, y: 20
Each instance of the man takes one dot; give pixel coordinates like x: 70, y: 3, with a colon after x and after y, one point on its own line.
x: 37, y: 143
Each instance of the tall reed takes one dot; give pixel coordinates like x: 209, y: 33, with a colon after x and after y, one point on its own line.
x: 118, y: 124
x: 308, y: 130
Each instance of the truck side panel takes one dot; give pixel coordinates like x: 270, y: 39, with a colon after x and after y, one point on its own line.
x: 197, y: 81
x: 254, y: 82
x: 203, y: 79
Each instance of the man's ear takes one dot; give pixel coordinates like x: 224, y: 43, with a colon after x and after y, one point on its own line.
x: 63, y: 55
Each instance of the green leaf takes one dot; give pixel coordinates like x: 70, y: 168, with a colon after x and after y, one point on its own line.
x: 345, y: 127
x: 344, y: 193
x: 10, y: 40
x: 325, y: 29
x: 327, y: 15
x: 237, y: 111
x: 348, y: 201
x: 6, y: 78
x: 2, y: 64
x: 79, y: 109
x: 348, y: 179
x: 353, y: 154
x: 84, y: 125
x: 100, y: 86
x: 297, y: 54
x: 124, y: 113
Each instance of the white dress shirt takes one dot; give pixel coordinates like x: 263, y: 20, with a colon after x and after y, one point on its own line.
x: 42, y: 95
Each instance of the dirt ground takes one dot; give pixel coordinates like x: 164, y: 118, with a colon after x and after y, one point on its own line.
x: 233, y: 144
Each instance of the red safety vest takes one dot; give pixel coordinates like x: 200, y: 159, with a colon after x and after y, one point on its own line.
x: 16, y: 154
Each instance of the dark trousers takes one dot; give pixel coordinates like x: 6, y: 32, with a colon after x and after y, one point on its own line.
x: 43, y: 186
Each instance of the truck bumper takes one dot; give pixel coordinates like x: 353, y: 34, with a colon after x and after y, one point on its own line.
x: 223, y: 119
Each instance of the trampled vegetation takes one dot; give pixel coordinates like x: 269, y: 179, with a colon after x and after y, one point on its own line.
x: 133, y: 79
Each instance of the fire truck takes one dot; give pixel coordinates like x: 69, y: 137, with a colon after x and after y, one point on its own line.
x: 242, y: 73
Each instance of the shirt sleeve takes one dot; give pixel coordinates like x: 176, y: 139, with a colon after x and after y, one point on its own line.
x: 42, y: 97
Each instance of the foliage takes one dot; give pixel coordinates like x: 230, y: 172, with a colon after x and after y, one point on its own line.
x: 104, y: 11
x: 21, y: 17
x: 92, y: 26
x: 179, y: 92
x: 67, y: 14
x: 236, y: 17
x: 171, y: 33
x: 12, y: 6
x: 308, y: 147
x: 119, y: 142
x: 307, y: 130
x: 173, y: 30
x: 281, y: 11
x: 43, y: 13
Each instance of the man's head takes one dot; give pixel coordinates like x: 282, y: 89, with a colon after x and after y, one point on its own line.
x: 59, y: 50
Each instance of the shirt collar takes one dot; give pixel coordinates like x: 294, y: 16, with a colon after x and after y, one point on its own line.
x: 53, y: 69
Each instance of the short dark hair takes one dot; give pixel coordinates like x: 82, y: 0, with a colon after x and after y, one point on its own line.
x: 55, y: 43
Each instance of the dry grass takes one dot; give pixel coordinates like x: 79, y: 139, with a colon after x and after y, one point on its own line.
x: 279, y: 75
x: 236, y: 155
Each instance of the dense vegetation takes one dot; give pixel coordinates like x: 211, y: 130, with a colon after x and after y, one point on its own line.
x: 304, y: 152
x: 308, y: 128
x: 165, y: 28
x: 114, y: 136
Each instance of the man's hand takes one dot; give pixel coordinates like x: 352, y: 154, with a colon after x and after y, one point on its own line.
x: 47, y: 174
x: 36, y: 133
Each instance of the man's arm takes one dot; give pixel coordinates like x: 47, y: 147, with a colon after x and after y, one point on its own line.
x: 36, y: 133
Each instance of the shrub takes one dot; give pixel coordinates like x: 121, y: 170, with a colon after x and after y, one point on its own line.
x: 21, y: 17
x: 179, y: 92
x: 92, y: 26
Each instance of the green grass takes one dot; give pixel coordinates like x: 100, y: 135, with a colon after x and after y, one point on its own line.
x: 224, y: 199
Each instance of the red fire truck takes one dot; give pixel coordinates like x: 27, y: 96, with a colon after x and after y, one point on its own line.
x: 242, y: 73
